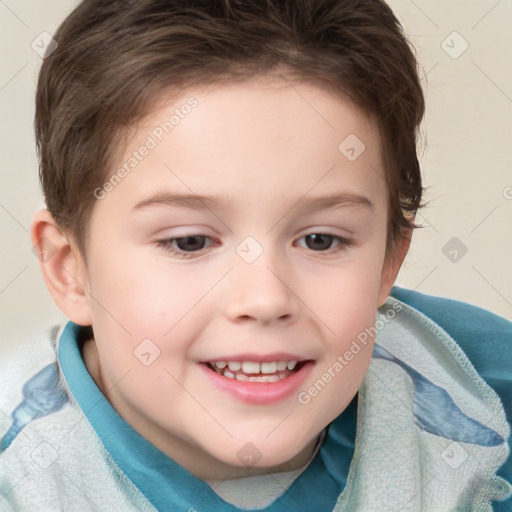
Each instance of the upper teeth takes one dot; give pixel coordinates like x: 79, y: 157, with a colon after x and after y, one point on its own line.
x: 254, y: 367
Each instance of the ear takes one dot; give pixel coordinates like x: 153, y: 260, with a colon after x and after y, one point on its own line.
x: 64, y: 269
x: 392, y: 263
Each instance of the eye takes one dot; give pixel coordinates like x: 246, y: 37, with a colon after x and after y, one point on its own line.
x: 321, y: 242
x: 185, y: 246
x: 190, y: 243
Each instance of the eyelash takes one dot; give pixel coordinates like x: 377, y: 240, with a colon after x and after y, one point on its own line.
x: 166, y: 244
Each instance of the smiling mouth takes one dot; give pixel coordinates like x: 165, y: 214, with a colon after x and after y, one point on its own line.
x: 249, y: 371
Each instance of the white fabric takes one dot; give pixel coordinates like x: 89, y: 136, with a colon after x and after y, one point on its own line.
x: 398, y: 466
x: 56, y: 463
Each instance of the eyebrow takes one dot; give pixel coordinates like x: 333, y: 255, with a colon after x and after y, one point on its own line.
x: 345, y: 199
x: 192, y: 201
x: 201, y: 202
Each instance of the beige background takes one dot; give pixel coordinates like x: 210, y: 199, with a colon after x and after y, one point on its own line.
x: 466, y: 163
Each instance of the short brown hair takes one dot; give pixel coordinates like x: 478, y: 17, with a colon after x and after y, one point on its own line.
x: 115, y: 58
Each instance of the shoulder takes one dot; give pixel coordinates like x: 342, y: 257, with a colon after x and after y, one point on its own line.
x: 28, y: 381
x: 21, y: 359
x: 449, y: 310
x: 29, y: 386
x: 486, y: 338
x: 50, y: 456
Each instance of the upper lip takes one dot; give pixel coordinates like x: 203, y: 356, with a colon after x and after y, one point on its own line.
x: 258, y: 358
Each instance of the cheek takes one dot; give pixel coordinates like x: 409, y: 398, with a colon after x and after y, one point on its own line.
x: 144, y: 297
x: 348, y: 306
x: 349, y: 296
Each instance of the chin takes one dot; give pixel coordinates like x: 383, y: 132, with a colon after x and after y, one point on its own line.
x: 262, y: 455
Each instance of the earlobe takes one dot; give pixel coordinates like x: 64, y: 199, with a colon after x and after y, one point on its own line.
x: 392, y: 266
x: 63, y: 268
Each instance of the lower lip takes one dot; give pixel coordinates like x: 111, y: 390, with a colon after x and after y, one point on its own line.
x: 259, y: 392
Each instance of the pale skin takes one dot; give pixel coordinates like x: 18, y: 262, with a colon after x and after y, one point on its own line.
x: 261, y: 147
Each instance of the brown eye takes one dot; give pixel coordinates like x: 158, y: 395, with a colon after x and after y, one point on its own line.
x: 190, y: 243
x: 190, y: 246
x: 319, y: 241
x: 324, y: 243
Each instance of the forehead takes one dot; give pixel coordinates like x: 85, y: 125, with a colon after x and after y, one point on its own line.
x: 266, y: 138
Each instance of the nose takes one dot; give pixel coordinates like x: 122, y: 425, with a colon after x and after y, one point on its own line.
x: 261, y: 291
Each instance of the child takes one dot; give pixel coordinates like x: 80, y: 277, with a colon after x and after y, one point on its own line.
x: 251, y: 370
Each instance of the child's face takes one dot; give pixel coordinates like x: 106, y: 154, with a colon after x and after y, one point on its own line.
x: 257, y: 286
